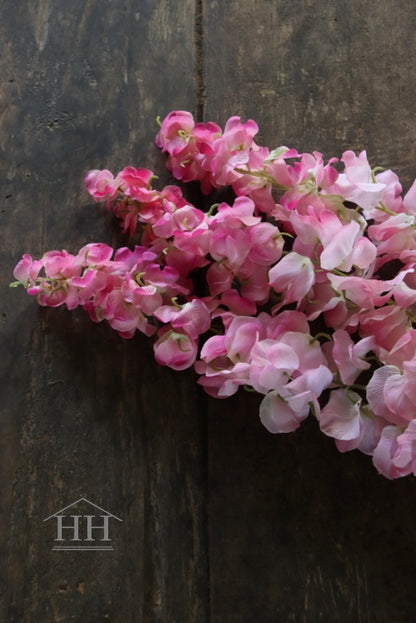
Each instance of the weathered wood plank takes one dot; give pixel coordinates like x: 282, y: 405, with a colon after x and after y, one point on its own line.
x: 297, y: 531
x: 83, y: 413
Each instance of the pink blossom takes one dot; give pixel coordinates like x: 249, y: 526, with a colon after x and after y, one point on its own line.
x: 283, y: 410
x: 225, y: 362
x: 395, y: 454
x: 187, y: 252
x: 231, y: 150
x: 266, y: 244
x: 387, y: 324
x: 175, y: 349
x: 240, y: 336
x: 175, y: 130
x: 133, y: 178
x: 391, y: 392
x: 27, y: 270
x: 255, y: 187
x: 193, y: 317
x: 271, y: 365
x: 370, y: 429
x: 145, y: 298
x: 294, y: 276
x: 101, y: 184
x: 338, y: 250
x: 366, y: 293
x: 95, y: 254
x: 287, y: 321
x: 340, y: 418
x: 356, y: 183
x: 88, y: 286
x: 404, y: 350
x: 349, y: 356
x: 350, y: 422
x: 391, y: 196
x: 184, y: 219
x: 124, y: 317
x: 61, y: 264
x: 225, y: 382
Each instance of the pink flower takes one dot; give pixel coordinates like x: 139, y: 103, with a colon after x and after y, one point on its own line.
x: 340, y: 418
x: 387, y: 325
x: 356, y: 183
x: 133, y: 178
x: 27, y: 270
x: 350, y: 422
x: 101, y: 184
x: 231, y: 150
x: 271, y: 365
x: 95, y: 254
x: 124, y: 317
x: 391, y: 393
x: 225, y: 359
x: 265, y: 243
x: 254, y: 282
x: 340, y: 249
x: 192, y: 318
x: 294, y: 276
x: 145, y: 298
x: 61, y: 264
x: 175, y: 131
x: 175, y: 349
x: 283, y: 410
x: 365, y: 293
x: 348, y: 355
x: 88, y: 286
x: 184, y: 219
x: 395, y: 454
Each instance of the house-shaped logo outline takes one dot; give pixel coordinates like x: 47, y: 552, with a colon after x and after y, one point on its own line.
x: 83, y: 547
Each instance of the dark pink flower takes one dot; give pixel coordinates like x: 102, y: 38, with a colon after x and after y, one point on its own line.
x: 101, y: 184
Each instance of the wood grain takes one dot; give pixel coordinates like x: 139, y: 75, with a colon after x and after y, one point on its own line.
x: 82, y: 412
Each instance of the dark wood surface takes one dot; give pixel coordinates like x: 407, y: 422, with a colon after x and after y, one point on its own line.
x: 222, y: 521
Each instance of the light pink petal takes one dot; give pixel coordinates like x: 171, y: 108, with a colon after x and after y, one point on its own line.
x: 340, y: 418
x: 276, y: 415
x: 364, y: 253
x: 384, y: 452
x: 214, y: 347
x: 338, y: 250
x: 294, y: 275
x: 375, y: 390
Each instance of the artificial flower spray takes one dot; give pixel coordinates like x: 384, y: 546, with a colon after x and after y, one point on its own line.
x: 302, y: 289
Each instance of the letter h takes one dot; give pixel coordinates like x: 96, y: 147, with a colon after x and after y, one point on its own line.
x: 74, y: 527
x: 103, y: 527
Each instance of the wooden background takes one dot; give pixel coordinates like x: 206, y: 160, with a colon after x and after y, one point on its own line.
x: 222, y: 522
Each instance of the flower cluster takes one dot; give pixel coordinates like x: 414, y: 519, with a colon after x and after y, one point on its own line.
x: 303, y: 289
